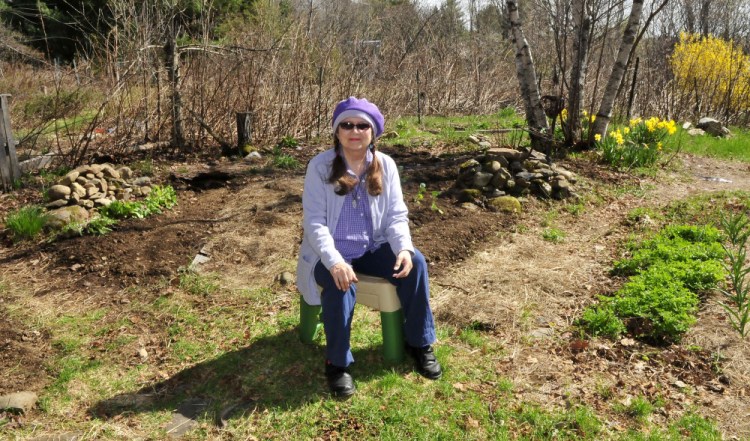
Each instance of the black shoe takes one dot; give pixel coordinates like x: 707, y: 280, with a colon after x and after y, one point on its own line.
x: 340, y: 382
x: 426, y: 362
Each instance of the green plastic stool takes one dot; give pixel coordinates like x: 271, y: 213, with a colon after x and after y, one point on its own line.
x: 375, y: 293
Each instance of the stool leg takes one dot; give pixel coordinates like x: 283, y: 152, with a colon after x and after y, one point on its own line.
x: 309, y: 321
x: 392, y: 324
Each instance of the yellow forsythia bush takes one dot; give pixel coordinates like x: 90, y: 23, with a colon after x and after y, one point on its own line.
x: 716, y: 70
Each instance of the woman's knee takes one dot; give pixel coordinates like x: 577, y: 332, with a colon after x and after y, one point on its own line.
x: 418, y: 261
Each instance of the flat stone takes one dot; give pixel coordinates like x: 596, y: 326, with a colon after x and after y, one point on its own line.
x: 142, y: 181
x: 20, y: 402
x: 199, y: 259
x: 110, y: 172
x: 69, y: 178
x: 58, y: 192
x: 57, y: 204
x: 509, y: 154
x: 183, y: 419
x: 469, y: 206
x: 505, y: 204
x: 65, y: 215
x: 125, y: 172
x: 481, y: 179
x: 286, y: 278
x: 541, y: 333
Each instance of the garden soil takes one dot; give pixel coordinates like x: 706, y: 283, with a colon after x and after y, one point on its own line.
x: 489, y: 271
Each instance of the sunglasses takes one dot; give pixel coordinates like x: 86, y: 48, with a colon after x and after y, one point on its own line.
x: 346, y: 125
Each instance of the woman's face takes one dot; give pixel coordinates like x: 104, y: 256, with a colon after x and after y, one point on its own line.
x: 353, y: 135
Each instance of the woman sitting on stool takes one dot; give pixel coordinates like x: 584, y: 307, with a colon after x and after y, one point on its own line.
x: 355, y: 219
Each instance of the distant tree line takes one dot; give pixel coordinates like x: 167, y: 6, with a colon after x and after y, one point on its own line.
x: 179, y: 70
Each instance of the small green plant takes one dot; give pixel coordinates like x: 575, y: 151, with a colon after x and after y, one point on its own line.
x: 124, y: 210
x: 639, y: 408
x: 71, y: 229
x: 576, y: 209
x: 100, y: 225
x: 554, y: 235
x: 601, y: 320
x: 420, y: 193
x: 143, y: 167
x: 738, y: 306
x: 198, y: 284
x: 26, y: 222
x: 288, y: 142
x: 434, y: 205
x: 283, y: 160
x: 161, y: 197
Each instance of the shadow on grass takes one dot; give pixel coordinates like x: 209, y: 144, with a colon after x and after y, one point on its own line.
x: 277, y: 371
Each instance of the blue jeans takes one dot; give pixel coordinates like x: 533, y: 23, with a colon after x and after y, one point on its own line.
x: 338, y: 306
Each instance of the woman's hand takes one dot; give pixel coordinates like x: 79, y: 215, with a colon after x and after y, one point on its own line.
x: 403, y: 261
x: 343, y: 275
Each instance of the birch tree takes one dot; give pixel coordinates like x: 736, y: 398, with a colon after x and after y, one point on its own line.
x: 630, y: 37
x: 581, y: 43
x: 527, y: 79
x: 604, y: 115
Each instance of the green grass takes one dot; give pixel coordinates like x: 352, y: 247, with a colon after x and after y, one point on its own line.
x: 26, y: 223
x: 734, y: 147
x: 707, y: 208
x: 455, y: 130
x: 235, y: 345
x: 554, y: 235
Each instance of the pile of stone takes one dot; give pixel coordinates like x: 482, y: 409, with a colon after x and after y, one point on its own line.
x: 500, y: 175
x: 89, y: 187
x: 707, y: 125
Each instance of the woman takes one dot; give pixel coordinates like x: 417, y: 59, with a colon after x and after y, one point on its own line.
x: 355, y: 219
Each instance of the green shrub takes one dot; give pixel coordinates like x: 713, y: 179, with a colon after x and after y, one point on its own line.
x: 554, y: 235
x: 283, y: 160
x: 288, y: 142
x: 26, y: 222
x: 692, y: 233
x: 657, y: 307
x: 100, y: 225
x: 601, y: 320
x: 660, y: 300
x: 695, y: 276
x: 674, y: 243
x: 124, y: 210
x: 159, y: 198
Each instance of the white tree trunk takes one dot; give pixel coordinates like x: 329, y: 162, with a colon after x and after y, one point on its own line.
x: 581, y: 43
x: 604, y: 115
x: 526, y: 73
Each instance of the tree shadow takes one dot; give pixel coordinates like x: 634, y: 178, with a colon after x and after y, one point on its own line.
x: 274, y: 372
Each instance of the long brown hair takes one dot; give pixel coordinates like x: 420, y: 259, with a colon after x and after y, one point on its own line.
x: 344, y: 182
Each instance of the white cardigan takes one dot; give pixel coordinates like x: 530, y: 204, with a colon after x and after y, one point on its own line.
x: 321, y: 208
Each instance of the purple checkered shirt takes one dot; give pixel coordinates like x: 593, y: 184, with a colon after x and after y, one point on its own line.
x: 353, y: 235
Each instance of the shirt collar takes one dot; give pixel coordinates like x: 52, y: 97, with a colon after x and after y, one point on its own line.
x: 368, y: 161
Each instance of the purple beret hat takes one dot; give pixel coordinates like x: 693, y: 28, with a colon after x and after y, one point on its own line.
x: 356, y: 107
